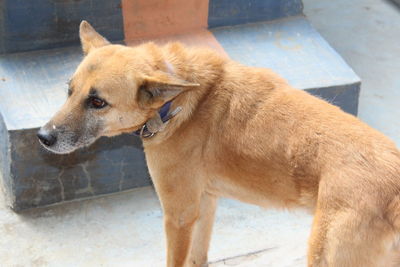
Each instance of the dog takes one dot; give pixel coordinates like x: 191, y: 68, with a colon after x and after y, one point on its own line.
x: 212, y: 128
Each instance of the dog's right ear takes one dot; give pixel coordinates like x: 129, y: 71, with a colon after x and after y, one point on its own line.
x: 90, y: 39
x: 155, y: 91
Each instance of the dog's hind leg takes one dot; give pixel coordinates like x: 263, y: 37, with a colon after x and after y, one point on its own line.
x: 317, y: 240
x: 347, y: 238
x: 202, y: 231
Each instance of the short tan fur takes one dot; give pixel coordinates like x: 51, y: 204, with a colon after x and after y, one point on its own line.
x: 243, y: 133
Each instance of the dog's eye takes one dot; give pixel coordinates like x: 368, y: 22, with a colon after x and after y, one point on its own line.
x: 97, y: 103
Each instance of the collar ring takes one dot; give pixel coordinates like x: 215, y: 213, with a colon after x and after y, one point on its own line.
x: 142, y: 133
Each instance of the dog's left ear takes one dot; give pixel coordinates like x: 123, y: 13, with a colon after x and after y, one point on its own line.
x: 155, y: 91
x: 90, y: 39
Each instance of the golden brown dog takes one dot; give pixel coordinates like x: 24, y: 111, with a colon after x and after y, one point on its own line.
x: 238, y: 132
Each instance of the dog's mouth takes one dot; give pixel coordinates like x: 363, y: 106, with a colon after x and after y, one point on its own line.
x: 63, y: 149
x: 66, y: 147
x: 128, y: 130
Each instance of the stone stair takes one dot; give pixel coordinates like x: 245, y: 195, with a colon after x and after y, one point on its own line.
x: 40, y: 50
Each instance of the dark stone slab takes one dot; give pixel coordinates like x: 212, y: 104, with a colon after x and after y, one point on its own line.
x: 5, y: 162
x: 344, y: 96
x: 35, y: 177
x: 234, y: 12
x: 41, y: 24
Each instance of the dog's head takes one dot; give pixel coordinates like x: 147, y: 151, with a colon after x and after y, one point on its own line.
x: 114, y: 90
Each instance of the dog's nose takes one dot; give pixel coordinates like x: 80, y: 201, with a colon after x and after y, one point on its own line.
x: 47, y: 138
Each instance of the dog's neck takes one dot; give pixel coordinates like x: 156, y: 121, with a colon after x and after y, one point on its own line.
x: 195, y: 65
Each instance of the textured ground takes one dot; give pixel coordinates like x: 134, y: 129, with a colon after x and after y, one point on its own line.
x: 125, y: 229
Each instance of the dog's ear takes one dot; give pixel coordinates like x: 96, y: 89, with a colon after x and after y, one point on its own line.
x: 90, y: 39
x: 156, y: 90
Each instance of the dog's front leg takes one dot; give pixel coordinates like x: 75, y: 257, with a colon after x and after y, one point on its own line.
x: 202, y: 231
x: 179, y: 238
x: 180, y: 198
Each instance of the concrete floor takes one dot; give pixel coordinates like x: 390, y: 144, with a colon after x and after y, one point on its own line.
x: 125, y: 229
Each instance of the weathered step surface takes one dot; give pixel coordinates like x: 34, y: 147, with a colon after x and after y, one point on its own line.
x: 33, y: 88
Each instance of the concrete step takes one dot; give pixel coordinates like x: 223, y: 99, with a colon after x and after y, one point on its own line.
x: 33, y: 88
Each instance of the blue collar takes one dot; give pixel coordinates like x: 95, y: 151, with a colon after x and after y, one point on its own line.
x: 165, y: 116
